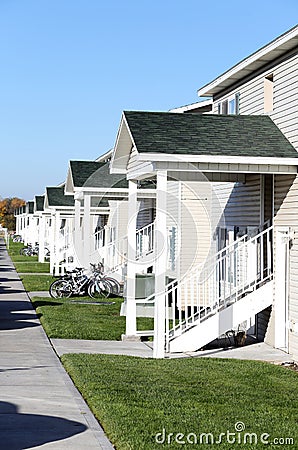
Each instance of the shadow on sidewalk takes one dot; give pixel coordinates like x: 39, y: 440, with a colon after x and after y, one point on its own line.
x: 12, y: 317
x: 23, y: 431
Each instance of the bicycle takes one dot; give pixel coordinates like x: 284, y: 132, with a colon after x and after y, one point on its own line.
x: 99, y: 280
x: 77, y: 283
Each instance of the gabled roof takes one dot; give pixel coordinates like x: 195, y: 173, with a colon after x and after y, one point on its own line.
x: 39, y: 202
x: 82, y: 170
x: 55, y: 197
x: 278, y: 47
x: 91, y: 174
x: 199, y: 138
x: 207, y: 134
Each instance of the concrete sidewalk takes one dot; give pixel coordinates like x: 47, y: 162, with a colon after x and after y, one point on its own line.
x: 39, y: 407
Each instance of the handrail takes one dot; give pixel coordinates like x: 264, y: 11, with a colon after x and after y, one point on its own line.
x: 225, y: 278
x: 145, y: 240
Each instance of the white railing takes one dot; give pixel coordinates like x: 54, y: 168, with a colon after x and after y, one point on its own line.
x: 234, y: 271
x: 99, y: 239
x: 145, y: 240
x: 62, y: 246
x: 116, y: 254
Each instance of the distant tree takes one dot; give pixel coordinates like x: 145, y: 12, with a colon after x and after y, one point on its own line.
x: 7, y: 209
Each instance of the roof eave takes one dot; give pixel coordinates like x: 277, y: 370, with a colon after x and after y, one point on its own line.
x: 222, y: 159
x: 122, y: 148
x: 266, y: 54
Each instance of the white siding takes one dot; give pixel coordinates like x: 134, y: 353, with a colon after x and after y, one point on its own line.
x: 196, y: 232
x: 173, y: 227
x: 221, y: 195
x: 243, y: 205
x: 285, y: 112
x: 132, y: 161
x: 286, y: 214
x: 118, y: 218
x: 145, y: 214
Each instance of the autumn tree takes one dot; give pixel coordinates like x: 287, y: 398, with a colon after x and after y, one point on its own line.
x: 7, y: 209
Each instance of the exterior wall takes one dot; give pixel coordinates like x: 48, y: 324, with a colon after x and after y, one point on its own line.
x: 134, y: 165
x: 146, y: 213
x: 243, y: 205
x: 285, y: 96
x: 286, y: 205
x: 196, y: 232
x: 173, y: 227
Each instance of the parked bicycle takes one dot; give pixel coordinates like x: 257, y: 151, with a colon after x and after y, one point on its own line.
x: 17, y: 238
x: 95, y: 285
x: 31, y: 250
x: 79, y: 282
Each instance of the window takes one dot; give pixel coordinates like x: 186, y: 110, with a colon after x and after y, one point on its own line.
x: 268, y: 93
x: 230, y: 105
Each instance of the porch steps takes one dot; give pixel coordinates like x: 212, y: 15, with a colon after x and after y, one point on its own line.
x: 205, y: 330
x: 232, y: 287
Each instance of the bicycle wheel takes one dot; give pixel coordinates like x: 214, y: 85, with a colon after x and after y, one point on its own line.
x: 115, y: 285
x: 99, y: 289
x: 60, y: 289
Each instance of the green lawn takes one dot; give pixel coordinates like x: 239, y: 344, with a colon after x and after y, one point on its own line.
x: 37, y: 282
x: 68, y: 319
x: 31, y: 267
x: 135, y: 399
x: 30, y: 264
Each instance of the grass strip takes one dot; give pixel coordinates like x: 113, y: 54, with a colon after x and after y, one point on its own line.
x: 68, y: 319
x: 34, y: 283
x: 32, y: 267
x: 144, y: 403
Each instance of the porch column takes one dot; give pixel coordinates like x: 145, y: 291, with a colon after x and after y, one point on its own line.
x: 160, y: 264
x: 77, y: 231
x: 281, y: 287
x: 41, y: 252
x: 131, y: 310
x: 87, y: 231
x: 57, y: 242
x: 52, y: 238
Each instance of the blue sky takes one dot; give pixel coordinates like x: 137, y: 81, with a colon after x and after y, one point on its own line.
x: 70, y: 67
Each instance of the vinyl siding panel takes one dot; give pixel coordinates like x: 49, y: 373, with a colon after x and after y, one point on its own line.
x: 132, y: 161
x: 285, y: 97
x: 243, y: 205
x: 286, y: 214
x: 118, y: 218
x: 196, y: 233
x: 221, y: 195
x: 145, y: 214
x: 174, y: 228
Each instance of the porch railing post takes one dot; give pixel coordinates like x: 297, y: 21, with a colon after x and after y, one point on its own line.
x: 131, y: 326
x: 160, y: 265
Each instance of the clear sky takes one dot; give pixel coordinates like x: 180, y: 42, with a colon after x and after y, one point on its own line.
x: 70, y: 67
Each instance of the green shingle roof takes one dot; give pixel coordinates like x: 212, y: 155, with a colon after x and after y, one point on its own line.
x: 39, y: 201
x: 95, y: 174
x: 56, y: 197
x: 207, y: 134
